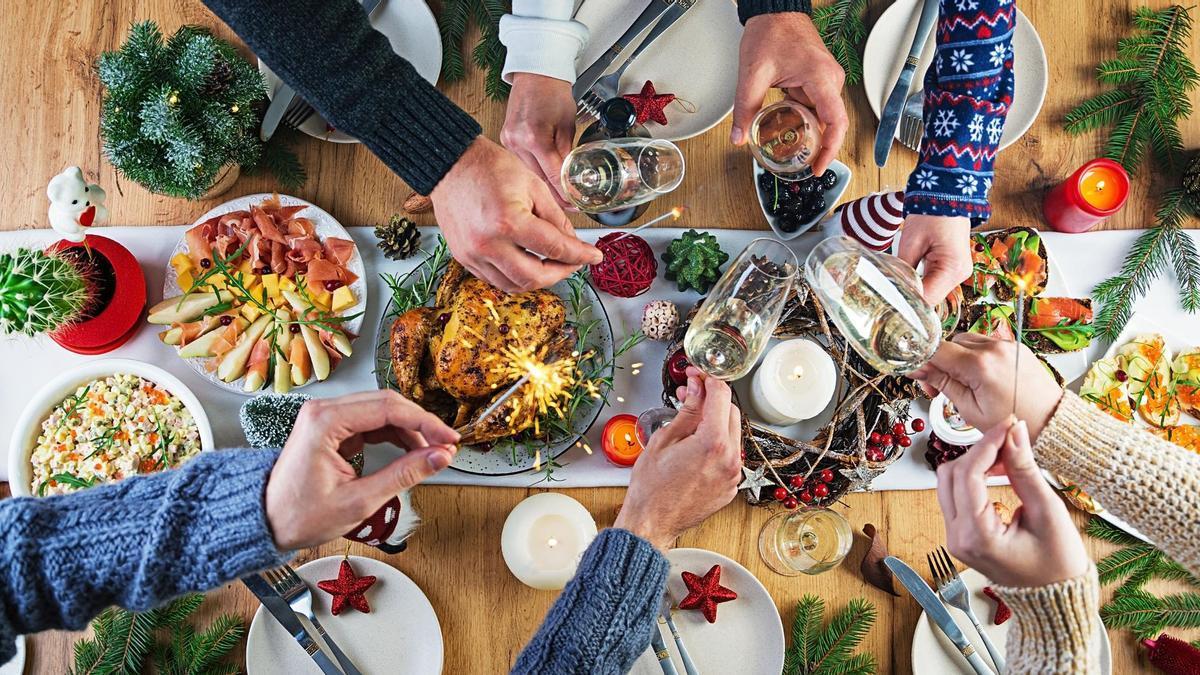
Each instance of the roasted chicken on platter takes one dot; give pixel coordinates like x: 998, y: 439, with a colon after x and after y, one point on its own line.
x: 444, y: 357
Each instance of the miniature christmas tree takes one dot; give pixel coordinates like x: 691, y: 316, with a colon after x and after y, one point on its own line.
x: 41, y: 292
x: 694, y: 261
x: 267, y: 420
x: 176, y: 113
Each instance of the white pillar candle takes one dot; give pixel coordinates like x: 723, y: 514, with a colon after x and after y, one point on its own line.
x: 795, y: 381
x: 544, y: 538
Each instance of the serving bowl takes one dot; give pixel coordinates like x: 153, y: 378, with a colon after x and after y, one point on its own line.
x: 29, y: 423
x: 832, y: 195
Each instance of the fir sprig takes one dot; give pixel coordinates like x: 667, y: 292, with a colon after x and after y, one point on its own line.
x: 1133, y: 565
x: 488, y: 53
x: 1151, y: 78
x: 817, y: 651
x: 843, y: 31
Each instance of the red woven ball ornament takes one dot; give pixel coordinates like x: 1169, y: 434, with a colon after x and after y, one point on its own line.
x: 628, y: 268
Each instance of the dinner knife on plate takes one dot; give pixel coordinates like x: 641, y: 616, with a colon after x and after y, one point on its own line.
x: 937, y: 612
x: 661, y: 652
x: 282, y: 611
x: 664, y: 610
x: 889, y: 116
x: 284, y: 95
x: 587, y: 78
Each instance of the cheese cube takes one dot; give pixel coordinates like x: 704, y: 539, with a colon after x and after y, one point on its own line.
x: 181, y: 262
x: 271, y: 283
x: 251, y: 311
x: 322, y: 300
x: 186, y: 280
x: 343, y: 299
x: 286, y: 284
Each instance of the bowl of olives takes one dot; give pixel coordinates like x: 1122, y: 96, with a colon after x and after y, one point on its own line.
x: 792, y: 207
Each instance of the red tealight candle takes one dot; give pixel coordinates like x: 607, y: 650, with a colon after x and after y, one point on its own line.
x: 620, y: 441
x: 1094, y: 192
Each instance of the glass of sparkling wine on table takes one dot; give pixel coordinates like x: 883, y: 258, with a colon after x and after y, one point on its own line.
x: 809, y: 541
x: 612, y: 174
x: 735, y: 322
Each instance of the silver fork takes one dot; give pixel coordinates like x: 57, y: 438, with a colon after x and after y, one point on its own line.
x: 296, y: 114
x: 287, y: 583
x: 953, y: 591
x: 912, y: 121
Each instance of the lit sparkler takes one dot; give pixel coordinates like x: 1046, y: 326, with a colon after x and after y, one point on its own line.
x: 674, y: 214
x: 1026, y: 268
x: 538, y: 388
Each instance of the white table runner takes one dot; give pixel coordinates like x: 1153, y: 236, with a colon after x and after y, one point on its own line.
x: 1085, y: 259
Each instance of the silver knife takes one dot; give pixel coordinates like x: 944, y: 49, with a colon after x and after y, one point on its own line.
x: 664, y: 611
x: 278, y: 607
x: 937, y: 612
x: 284, y: 95
x: 661, y: 652
x: 889, y: 116
x: 587, y: 78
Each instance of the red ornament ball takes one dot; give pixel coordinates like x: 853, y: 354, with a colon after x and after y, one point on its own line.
x: 820, y: 490
x: 790, y: 503
x: 875, y: 438
x: 806, y: 497
x: 898, y: 429
x: 918, y: 424
x: 797, y: 481
x: 826, y: 475
x: 781, y: 493
x: 887, y: 440
x: 677, y: 367
x: 905, y: 441
x: 628, y: 268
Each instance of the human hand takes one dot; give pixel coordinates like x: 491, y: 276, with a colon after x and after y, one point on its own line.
x: 690, y: 469
x: 976, y: 374
x: 944, y: 243
x: 313, y: 495
x: 1040, y: 546
x: 785, y: 50
x: 503, y: 224
x: 539, y: 125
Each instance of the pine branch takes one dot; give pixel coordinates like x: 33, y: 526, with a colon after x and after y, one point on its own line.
x: 216, y: 641
x: 843, y: 31
x: 1126, y: 562
x: 488, y: 53
x: 1098, y: 528
x: 806, y: 627
x: 1117, y: 294
x: 830, y: 651
x: 452, y: 24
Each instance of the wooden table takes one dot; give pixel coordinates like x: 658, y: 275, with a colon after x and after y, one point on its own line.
x: 52, y: 115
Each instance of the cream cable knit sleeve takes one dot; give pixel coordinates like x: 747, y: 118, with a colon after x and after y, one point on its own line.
x: 1150, y: 483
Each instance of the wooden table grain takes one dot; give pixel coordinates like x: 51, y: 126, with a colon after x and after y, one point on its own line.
x: 51, y: 101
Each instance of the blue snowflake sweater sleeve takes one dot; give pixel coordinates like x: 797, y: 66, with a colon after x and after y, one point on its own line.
x: 968, y: 90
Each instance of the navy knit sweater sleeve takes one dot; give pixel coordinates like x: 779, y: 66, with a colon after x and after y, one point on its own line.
x: 747, y: 9
x: 135, y: 544
x: 968, y: 90
x: 602, y: 621
x: 328, y: 52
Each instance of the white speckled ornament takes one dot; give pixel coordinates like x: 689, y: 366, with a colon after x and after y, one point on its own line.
x: 659, y: 319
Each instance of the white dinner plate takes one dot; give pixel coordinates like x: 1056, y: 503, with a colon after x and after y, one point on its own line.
x: 696, y: 59
x: 932, y: 652
x: 400, y: 636
x: 751, y: 622
x: 326, y: 226
x: 892, y: 35
x: 15, y: 665
x: 413, y: 32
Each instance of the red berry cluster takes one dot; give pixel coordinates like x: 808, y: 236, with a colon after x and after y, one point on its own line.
x: 816, y: 487
x: 880, y: 445
x: 940, y: 451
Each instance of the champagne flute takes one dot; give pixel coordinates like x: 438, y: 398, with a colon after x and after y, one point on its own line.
x: 809, y: 541
x: 733, y: 325
x: 612, y: 174
x: 875, y: 301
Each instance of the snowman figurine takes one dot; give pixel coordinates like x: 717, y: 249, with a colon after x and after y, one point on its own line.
x: 75, y: 204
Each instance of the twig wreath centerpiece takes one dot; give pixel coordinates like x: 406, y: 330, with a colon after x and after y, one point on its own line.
x: 179, y: 116
x: 854, y: 447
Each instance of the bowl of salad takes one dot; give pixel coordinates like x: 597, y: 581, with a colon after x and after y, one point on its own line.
x: 101, y: 422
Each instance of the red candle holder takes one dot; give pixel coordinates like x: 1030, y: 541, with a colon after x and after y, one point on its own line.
x: 1086, y: 198
x: 123, y: 299
x: 620, y: 441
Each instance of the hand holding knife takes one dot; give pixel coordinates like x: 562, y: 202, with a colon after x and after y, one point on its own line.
x: 889, y: 116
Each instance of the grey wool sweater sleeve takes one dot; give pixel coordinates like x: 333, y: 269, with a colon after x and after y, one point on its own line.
x: 601, y: 622
x: 328, y: 52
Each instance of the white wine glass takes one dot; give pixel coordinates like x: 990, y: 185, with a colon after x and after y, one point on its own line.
x: 808, y: 541
x: 612, y: 174
x: 784, y: 138
x: 875, y: 301
x: 734, y: 323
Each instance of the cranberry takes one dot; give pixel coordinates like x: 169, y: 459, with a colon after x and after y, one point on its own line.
x: 333, y: 284
x: 443, y: 318
x: 294, y: 328
x: 979, y: 248
x: 806, y: 497
x: 266, y: 269
x: 781, y: 493
x: 226, y: 320
x: 826, y: 475
x: 898, y: 429
x: 887, y: 440
x: 797, y: 482
x: 905, y: 441
x: 790, y: 503
x: 875, y: 438
x: 918, y: 424
x: 875, y: 455
x: 1121, y: 376
x: 504, y: 329
x: 821, y: 490
x: 205, y: 263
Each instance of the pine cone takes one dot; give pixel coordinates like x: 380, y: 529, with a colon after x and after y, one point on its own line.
x: 399, y: 238
x: 219, y: 79
x: 1191, y: 180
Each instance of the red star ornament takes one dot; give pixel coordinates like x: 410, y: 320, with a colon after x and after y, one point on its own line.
x: 705, y: 593
x: 348, y: 589
x: 649, y: 104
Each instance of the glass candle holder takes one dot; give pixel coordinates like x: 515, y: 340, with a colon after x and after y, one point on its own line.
x: 808, y: 541
x: 875, y: 301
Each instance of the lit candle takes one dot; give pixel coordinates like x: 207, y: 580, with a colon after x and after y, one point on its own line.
x: 796, y: 380
x: 1094, y: 192
x: 621, y: 444
x: 543, y: 538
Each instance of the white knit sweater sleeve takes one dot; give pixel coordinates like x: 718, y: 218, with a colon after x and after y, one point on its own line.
x: 542, y: 38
